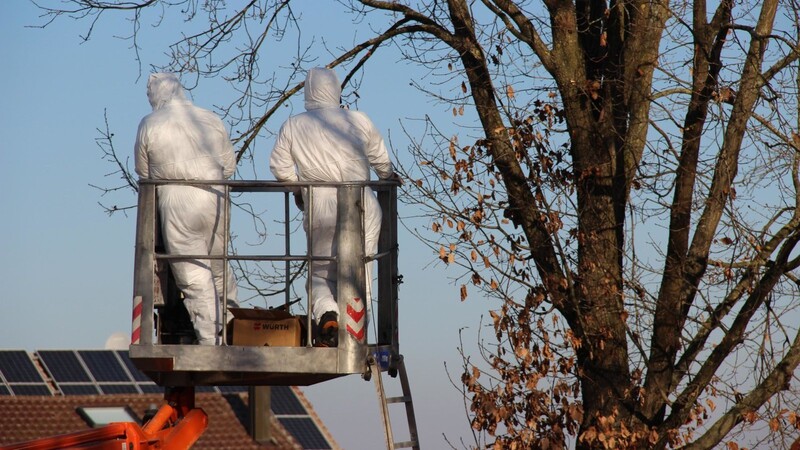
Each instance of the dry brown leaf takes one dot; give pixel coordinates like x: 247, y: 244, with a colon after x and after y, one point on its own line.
x: 495, y: 318
x: 510, y: 91
x: 476, y: 279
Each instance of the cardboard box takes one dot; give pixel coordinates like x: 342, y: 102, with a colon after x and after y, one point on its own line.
x: 266, y: 327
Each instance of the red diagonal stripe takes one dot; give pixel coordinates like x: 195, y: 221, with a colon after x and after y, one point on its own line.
x: 137, y: 310
x: 137, y: 318
x: 135, y: 336
x: 355, y: 315
x: 358, y: 335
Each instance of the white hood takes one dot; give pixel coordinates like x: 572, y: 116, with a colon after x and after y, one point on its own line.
x: 322, y: 89
x: 163, y: 88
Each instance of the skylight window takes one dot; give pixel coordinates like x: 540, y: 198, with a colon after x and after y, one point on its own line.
x: 98, y: 416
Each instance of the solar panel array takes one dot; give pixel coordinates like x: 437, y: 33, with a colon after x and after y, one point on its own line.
x: 79, y: 372
x: 92, y: 372
x: 95, y: 372
x: 295, y: 418
x: 20, y: 375
x: 306, y: 432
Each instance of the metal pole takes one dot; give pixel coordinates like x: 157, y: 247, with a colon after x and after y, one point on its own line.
x: 226, y: 211
x: 388, y: 278
x: 144, y: 261
x: 308, y: 216
x: 350, y: 283
x: 259, y: 400
x: 287, y: 251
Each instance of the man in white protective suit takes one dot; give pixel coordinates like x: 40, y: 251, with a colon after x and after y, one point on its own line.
x: 180, y: 141
x: 328, y: 143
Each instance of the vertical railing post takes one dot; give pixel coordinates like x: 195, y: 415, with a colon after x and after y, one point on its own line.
x: 287, y: 250
x: 308, y: 217
x: 144, y: 266
x: 388, y: 278
x: 226, y: 233
x: 350, y: 284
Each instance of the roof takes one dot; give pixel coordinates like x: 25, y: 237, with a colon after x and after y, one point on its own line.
x: 24, y: 417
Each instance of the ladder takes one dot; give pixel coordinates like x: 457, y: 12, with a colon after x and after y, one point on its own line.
x: 397, y: 367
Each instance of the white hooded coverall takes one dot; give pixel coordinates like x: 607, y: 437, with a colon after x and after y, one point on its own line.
x: 180, y: 141
x: 328, y: 143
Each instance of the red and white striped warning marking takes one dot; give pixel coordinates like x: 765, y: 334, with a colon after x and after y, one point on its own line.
x: 137, y: 320
x: 355, y: 319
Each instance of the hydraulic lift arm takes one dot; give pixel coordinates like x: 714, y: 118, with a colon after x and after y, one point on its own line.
x: 176, y: 426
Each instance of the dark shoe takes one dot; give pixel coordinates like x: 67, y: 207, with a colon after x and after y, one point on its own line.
x: 328, y: 330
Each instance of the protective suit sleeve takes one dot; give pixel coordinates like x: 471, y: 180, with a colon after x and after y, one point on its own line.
x: 140, y: 150
x: 281, y: 162
x: 376, y: 151
x: 227, y: 156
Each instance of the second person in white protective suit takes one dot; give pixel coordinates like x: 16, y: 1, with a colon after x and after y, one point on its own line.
x: 328, y: 143
x: 180, y: 141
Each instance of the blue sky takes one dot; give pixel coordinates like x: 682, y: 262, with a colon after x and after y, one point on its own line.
x: 67, y: 267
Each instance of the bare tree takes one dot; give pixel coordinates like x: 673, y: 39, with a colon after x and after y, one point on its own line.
x: 628, y: 192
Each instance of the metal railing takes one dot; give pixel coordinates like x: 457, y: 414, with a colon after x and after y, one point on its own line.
x: 181, y: 364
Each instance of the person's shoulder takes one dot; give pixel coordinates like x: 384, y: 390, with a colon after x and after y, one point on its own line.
x: 189, y: 104
x: 208, y: 115
x: 147, y: 119
x: 197, y: 109
x: 361, y: 118
x: 297, y: 119
x: 360, y: 114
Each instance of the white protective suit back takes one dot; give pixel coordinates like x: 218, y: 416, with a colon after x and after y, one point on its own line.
x: 180, y: 141
x: 328, y: 143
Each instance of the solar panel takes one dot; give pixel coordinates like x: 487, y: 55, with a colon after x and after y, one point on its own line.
x: 138, y: 375
x: 285, y: 402
x: 79, y: 389
x: 119, y: 389
x: 30, y: 389
x: 17, y: 367
x: 232, y: 389
x: 104, y: 365
x: 306, y: 432
x: 20, y: 375
x: 151, y: 388
x: 64, y: 366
